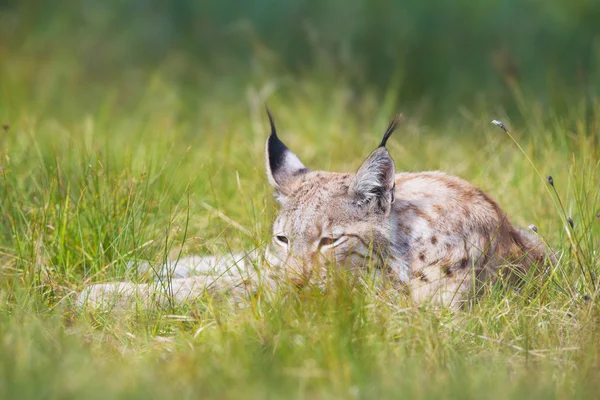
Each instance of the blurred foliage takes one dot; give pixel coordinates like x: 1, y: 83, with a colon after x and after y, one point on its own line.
x: 445, y: 52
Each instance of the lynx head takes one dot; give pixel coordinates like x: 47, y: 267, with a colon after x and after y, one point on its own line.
x: 329, y: 218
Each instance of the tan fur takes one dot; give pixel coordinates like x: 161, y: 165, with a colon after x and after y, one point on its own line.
x: 436, y: 234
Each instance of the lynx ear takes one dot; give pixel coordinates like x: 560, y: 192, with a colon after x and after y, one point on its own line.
x: 375, y: 179
x: 282, y: 165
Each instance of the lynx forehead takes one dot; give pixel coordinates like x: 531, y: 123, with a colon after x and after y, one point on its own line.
x: 322, y: 194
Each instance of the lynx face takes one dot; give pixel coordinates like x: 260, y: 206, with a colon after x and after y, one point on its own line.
x: 328, y: 218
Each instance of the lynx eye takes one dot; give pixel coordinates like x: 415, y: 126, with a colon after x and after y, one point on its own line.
x: 282, y: 240
x: 330, y: 241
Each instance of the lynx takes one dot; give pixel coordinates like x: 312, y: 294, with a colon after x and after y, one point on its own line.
x: 435, y: 235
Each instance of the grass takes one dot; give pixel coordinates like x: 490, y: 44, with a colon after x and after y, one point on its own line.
x: 91, y: 182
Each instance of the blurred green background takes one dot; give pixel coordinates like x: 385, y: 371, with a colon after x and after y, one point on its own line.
x: 436, y: 56
x: 133, y: 130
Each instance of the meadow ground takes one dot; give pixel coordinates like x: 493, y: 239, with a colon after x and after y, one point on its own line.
x: 87, y: 187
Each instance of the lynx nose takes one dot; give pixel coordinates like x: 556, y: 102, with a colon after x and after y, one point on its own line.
x: 299, y: 267
x: 298, y: 274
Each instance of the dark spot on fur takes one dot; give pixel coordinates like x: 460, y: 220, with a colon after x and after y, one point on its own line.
x: 434, y: 240
x: 446, y: 270
x: 422, y: 256
x: 321, y: 181
x: 451, y: 184
x: 421, y: 276
x: 404, y: 230
x: 448, y: 246
x: 464, y: 263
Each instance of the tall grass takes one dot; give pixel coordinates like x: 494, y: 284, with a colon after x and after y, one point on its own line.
x: 151, y: 170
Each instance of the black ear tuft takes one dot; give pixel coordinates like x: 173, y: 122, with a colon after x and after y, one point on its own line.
x: 390, y: 129
x: 273, y: 130
x: 281, y: 163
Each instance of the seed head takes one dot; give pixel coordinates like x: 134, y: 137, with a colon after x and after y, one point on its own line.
x: 533, y: 228
x: 551, y: 180
x: 586, y: 297
x: 499, y: 124
x: 6, y: 127
x: 570, y: 221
